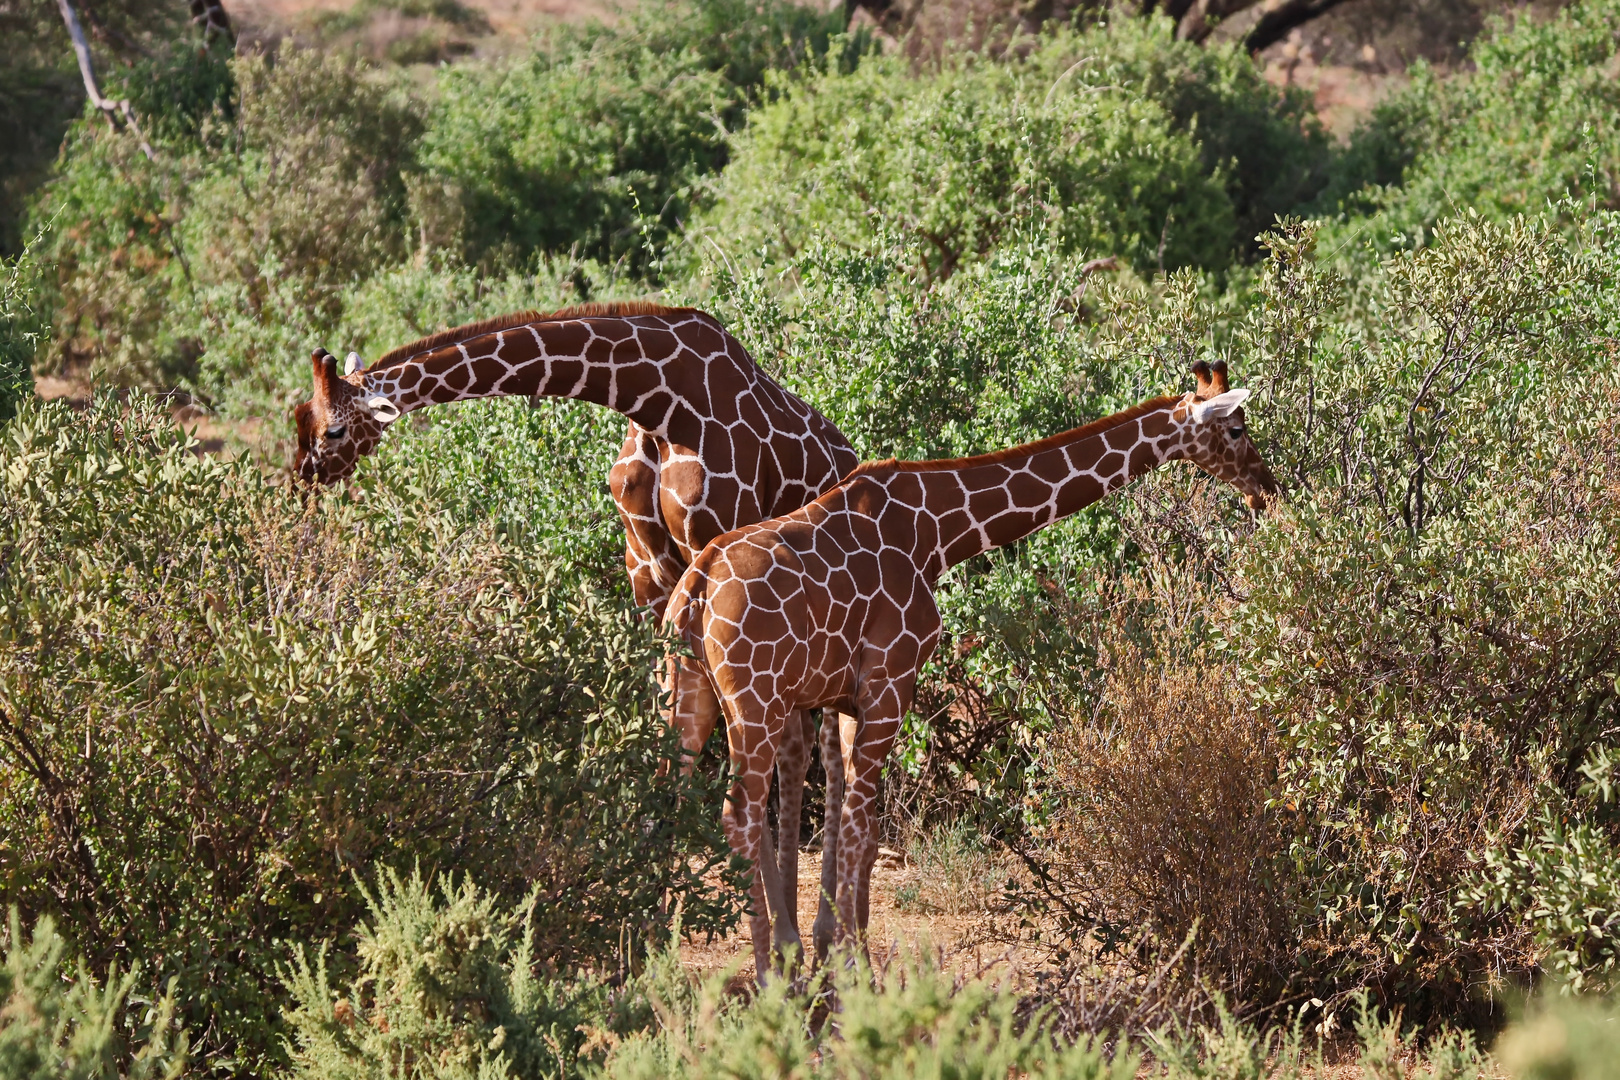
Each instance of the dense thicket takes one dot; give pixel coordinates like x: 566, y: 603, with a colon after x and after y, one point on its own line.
x: 220, y: 703
x: 1362, y: 749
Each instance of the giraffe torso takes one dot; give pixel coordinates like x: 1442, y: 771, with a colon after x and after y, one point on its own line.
x: 737, y: 450
x: 829, y: 606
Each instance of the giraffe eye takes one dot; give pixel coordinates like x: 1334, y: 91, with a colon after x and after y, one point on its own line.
x: 335, y: 433
x: 1238, y: 432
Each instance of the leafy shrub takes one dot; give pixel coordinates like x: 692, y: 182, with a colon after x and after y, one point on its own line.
x: 1561, y: 1036
x: 215, y: 693
x: 20, y: 330
x: 218, y: 263
x: 955, y: 160
x: 565, y: 149
x: 1264, y: 145
x: 113, y: 261
x: 1560, y: 877
x: 444, y: 982
x: 989, y: 357
x: 1382, y: 148
x: 1533, y: 122
x: 1432, y: 623
x: 1119, y: 140
x: 593, y: 144
x: 177, y: 88
x: 1415, y: 652
x: 41, y: 92
x: 55, y: 1026
x: 916, y: 1021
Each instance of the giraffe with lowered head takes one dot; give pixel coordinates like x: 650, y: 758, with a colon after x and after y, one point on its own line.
x: 832, y: 606
x: 714, y: 443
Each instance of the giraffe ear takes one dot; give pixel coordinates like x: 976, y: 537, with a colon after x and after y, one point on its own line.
x: 385, y: 411
x: 1218, y: 406
x: 351, y: 363
x: 325, y: 365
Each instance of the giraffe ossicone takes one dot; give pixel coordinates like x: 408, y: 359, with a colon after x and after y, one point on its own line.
x: 714, y: 443
x: 832, y: 606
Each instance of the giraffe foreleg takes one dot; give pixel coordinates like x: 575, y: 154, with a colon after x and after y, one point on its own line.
x: 744, y: 820
x: 694, y: 707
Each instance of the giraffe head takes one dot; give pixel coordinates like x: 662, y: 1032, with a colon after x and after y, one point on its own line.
x: 338, y: 424
x: 1217, y: 439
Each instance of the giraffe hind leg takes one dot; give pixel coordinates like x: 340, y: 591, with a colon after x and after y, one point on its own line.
x: 792, y: 764
x: 832, y: 761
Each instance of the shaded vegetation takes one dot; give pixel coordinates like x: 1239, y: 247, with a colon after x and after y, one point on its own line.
x: 219, y: 695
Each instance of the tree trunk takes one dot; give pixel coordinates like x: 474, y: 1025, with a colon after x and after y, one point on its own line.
x: 1256, y: 25
x: 211, y: 16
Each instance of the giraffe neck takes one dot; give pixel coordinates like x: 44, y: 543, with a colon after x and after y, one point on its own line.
x: 984, y: 502
x: 607, y: 360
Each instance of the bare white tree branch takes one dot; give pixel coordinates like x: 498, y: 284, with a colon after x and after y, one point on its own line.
x: 109, y: 108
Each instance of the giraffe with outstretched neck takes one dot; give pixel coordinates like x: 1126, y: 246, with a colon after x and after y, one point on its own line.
x: 714, y: 443
x: 832, y: 606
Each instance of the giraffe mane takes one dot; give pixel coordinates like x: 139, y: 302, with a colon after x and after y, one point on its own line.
x: 456, y: 335
x: 996, y: 457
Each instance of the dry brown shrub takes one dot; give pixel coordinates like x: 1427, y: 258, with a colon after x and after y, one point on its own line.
x: 1164, y: 824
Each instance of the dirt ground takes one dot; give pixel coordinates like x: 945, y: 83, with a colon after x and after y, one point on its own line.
x: 965, y: 943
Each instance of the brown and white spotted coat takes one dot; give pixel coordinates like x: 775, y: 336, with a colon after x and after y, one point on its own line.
x: 714, y: 443
x: 832, y: 606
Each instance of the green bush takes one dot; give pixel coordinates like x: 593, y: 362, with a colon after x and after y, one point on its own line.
x: 218, y: 263
x: 594, y: 144
x: 20, y: 329
x: 1565, y: 1037
x: 1432, y: 623
x: 963, y: 366
x: 42, y: 93
x: 915, y: 1022
x: 1264, y: 145
x: 566, y: 150
x: 957, y: 159
x: 1409, y: 760
x: 56, y: 1026
x: 1119, y: 140
x: 444, y: 982
x: 1533, y: 122
x: 217, y: 693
